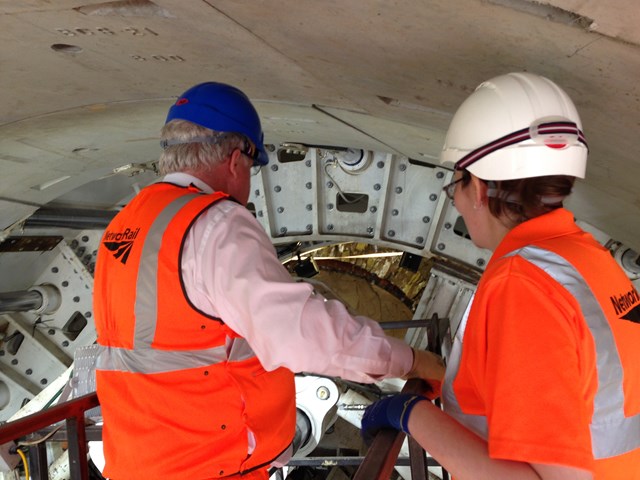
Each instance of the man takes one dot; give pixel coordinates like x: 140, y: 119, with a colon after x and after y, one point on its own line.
x: 200, y: 326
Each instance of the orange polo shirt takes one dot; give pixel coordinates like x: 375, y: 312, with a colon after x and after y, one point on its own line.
x: 528, y: 359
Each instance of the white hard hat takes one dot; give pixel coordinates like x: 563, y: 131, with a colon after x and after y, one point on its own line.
x: 517, y: 125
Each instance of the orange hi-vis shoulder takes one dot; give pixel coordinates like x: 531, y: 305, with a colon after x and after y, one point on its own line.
x: 180, y: 391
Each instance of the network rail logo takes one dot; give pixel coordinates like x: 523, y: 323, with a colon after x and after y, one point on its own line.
x: 624, y: 302
x: 120, y: 243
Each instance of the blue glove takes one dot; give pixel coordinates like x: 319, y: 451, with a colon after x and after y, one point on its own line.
x: 390, y: 412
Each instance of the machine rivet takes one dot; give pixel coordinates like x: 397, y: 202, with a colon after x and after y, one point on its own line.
x: 440, y: 246
x: 283, y: 230
x: 257, y: 193
x: 51, y: 331
x: 439, y: 175
x: 274, y: 168
x: 309, y: 207
x: 65, y: 343
x: 329, y: 184
x: 277, y: 188
x: 394, y: 212
x: 373, y: 209
x: 398, y: 189
x: 447, y: 226
x: 28, y: 371
x: 370, y: 230
x: 76, y: 299
x: 391, y: 233
x: 330, y: 206
x: 260, y: 214
x: 380, y: 164
x: 433, y: 197
x: 419, y: 240
x: 403, y: 167
x: 426, y: 219
x: 308, y: 185
x: 309, y: 228
x: 280, y: 209
x: 55, y: 270
x: 323, y: 393
x: 480, y: 262
x: 65, y: 284
x: 44, y: 381
x: 376, y: 186
x: 307, y: 163
x: 330, y: 227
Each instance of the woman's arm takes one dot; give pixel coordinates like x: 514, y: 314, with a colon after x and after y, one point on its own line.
x: 466, y: 456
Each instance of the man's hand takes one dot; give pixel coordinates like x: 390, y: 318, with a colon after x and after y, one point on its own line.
x: 429, y: 367
x: 390, y: 412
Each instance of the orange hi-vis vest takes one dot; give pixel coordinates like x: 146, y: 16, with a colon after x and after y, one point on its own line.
x: 605, y: 315
x: 180, y: 391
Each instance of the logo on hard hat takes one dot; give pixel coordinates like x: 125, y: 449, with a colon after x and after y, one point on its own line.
x: 182, y: 101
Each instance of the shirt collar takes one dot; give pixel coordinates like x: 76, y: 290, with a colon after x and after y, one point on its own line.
x: 556, y: 223
x: 184, y: 180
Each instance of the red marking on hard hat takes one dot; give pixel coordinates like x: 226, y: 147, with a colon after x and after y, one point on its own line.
x: 556, y: 145
x: 182, y: 101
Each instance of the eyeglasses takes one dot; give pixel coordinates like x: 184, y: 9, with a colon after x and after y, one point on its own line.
x: 450, y: 188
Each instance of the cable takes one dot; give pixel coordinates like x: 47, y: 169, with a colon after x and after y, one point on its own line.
x: 24, y: 462
x: 334, y: 163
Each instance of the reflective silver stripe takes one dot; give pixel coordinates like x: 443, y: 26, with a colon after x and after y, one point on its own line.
x: 476, y: 423
x: 146, y: 308
x: 151, y: 360
x: 612, y: 433
x: 143, y: 358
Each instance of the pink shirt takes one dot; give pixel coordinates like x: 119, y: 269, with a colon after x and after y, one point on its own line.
x: 231, y: 271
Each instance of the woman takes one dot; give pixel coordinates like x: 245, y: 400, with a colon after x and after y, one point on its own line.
x: 544, y: 378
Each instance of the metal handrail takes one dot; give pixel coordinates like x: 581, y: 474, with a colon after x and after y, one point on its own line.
x: 73, y: 413
x: 380, y: 459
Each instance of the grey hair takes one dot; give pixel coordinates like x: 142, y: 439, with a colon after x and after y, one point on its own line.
x: 194, y: 157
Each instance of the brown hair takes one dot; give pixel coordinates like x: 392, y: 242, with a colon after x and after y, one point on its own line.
x: 525, y: 198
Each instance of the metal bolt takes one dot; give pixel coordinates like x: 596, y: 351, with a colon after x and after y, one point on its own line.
x: 54, y: 270
x: 65, y: 284
x: 394, y: 212
x: 65, y: 343
x: 14, y: 361
x: 280, y: 209
x: 323, y: 393
x: 370, y: 230
x: 330, y: 206
x: 308, y: 163
x: 309, y: 228
x: 87, y: 314
x: 76, y: 299
x: 44, y: 381
x: 308, y: 185
x: 256, y: 193
x: 447, y: 226
x: 419, y: 240
x: 433, y: 197
x: 274, y: 167
x: 391, y: 233
x: 398, y: 189
x: 330, y: 227
x: 85, y: 238
x: 439, y: 175
x: 403, y: 167
x: 277, y: 188
x: 480, y: 262
x: 373, y: 209
x: 51, y: 331
x: 376, y: 186
x: 329, y: 184
x: 283, y: 230
x: 440, y: 246
x: 260, y: 214
x: 426, y: 219
x: 74, y: 244
x: 309, y: 207
x: 380, y: 164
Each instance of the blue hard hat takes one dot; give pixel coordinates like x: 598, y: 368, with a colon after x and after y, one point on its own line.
x: 222, y: 108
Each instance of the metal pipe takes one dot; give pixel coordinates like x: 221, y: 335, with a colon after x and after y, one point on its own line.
x: 22, y: 301
x: 78, y: 218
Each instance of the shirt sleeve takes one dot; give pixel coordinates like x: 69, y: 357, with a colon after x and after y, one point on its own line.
x: 231, y: 271
x: 524, y: 356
